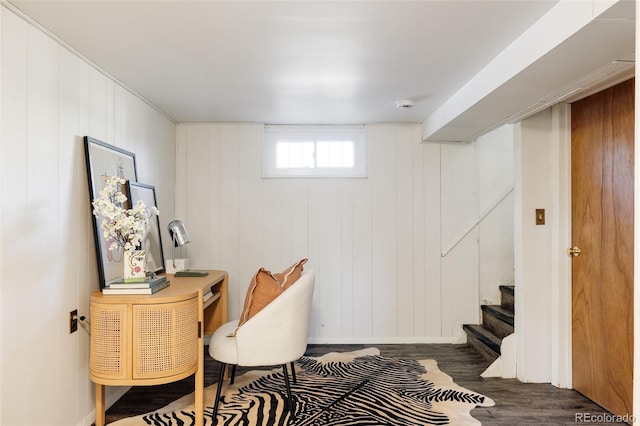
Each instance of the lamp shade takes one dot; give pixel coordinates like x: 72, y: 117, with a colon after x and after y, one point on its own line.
x: 178, y: 233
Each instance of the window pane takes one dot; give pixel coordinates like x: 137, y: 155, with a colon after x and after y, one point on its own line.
x: 348, y: 154
x: 336, y: 154
x: 294, y: 155
x: 322, y: 154
x: 314, y: 151
x: 307, y: 155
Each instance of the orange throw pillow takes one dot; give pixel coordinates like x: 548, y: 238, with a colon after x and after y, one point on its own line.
x: 290, y: 275
x: 265, y: 287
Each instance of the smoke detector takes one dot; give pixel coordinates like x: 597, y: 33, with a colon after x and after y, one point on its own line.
x: 404, y: 104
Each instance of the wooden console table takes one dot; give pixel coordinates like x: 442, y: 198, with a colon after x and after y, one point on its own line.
x: 155, y: 339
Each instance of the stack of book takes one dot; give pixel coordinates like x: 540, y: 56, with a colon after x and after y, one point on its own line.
x: 150, y: 285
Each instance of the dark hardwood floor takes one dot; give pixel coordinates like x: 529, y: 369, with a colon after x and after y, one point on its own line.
x: 516, y: 403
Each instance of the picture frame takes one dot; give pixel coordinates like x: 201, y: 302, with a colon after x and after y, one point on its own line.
x: 152, y: 244
x: 104, y: 160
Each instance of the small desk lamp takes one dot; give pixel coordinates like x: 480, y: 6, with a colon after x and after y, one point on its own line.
x: 179, y: 236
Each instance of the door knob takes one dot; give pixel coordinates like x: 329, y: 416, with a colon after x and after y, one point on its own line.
x: 574, y: 251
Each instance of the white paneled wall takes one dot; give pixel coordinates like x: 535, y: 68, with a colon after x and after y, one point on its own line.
x: 50, y: 98
x: 459, y: 297
x: 375, y: 243
x: 495, y: 159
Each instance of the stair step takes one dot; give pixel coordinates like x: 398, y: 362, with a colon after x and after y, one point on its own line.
x: 485, y: 342
x: 499, y: 312
x: 497, y: 323
x: 497, y: 320
x: 507, y: 294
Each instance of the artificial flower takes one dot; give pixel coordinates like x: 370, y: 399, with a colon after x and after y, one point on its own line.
x: 124, y: 228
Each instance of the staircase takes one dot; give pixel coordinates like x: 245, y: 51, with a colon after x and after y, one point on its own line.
x: 497, y: 323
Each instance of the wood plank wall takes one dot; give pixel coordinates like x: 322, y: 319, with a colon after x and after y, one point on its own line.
x: 50, y: 98
x: 374, y: 243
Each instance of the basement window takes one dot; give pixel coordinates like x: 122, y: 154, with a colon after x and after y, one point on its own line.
x: 314, y: 151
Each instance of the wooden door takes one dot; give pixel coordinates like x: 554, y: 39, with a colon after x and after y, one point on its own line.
x: 602, y: 127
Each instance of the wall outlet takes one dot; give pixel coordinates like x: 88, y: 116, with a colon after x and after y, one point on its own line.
x: 73, y: 321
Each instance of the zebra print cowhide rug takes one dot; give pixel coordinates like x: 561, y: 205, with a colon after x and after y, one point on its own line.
x: 336, y: 389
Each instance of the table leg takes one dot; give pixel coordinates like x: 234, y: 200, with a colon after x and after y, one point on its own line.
x: 199, y: 391
x: 100, y: 405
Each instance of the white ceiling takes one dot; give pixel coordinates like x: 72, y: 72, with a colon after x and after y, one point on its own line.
x: 289, y: 62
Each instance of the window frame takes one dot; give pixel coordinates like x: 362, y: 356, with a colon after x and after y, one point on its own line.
x: 317, y: 133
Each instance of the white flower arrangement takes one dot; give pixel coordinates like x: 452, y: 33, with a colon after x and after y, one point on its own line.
x: 124, y: 228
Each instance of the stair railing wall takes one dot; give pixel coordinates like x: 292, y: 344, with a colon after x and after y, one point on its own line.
x: 477, y: 222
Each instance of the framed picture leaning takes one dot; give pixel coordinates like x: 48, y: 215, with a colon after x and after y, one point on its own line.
x: 104, y: 160
x: 152, y: 244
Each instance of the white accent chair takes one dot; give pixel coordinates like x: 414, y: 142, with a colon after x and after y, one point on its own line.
x: 277, y: 335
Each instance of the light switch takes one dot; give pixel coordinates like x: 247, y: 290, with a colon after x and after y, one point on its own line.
x: 539, y: 216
